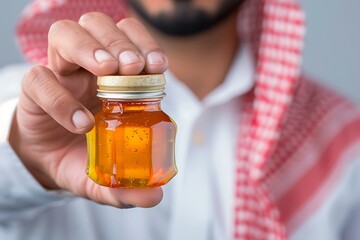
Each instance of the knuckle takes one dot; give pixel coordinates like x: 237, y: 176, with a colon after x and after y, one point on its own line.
x: 57, y: 101
x: 127, y: 22
x: 33, y: 78
x: 116, y: 42
x: 88, y: 18
x: 152, y: 47
x: 60, y: 26
x: 38, y: 86
x: 86, y: 46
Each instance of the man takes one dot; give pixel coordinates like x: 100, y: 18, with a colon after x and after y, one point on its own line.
x: 262, y: 152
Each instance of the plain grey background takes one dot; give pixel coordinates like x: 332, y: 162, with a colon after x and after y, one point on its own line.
x: 332, y: 51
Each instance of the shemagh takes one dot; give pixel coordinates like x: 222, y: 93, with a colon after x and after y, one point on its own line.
x: 274, y: 29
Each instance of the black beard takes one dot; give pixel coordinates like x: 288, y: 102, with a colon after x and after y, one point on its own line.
x: 186, y: 20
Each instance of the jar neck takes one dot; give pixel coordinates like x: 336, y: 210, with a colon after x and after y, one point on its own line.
x: 123, y: 105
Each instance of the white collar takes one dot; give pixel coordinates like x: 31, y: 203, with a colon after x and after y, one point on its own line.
x: 238, y: 81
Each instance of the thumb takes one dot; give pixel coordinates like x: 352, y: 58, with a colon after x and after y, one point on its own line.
x: 42, y: 88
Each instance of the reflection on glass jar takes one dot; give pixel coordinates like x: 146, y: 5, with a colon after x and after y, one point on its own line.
x: 133, y: 140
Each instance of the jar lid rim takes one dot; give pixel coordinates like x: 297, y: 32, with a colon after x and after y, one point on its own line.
x: 132, y: 81
x: 131, y: 87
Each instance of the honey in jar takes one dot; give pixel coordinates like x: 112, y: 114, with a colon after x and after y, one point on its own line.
x: 132, y: 144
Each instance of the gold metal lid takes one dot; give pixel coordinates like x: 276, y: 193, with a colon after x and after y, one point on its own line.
x: 131, y: 87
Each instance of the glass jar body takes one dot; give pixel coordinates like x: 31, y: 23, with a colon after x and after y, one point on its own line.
x: 132, y: 145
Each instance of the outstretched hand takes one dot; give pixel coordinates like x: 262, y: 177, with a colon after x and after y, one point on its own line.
x: 57, y: 102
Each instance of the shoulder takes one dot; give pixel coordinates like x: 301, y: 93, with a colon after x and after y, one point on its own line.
x: 319, y: 141
x: 319, y: 120
x: 322, y: 117
x: 316, y: 109
x: 312, y: 95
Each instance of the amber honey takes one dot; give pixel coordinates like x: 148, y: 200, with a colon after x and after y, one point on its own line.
x: 131, y: 145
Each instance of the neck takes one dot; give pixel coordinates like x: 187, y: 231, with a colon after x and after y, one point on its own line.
x: 202, y: 61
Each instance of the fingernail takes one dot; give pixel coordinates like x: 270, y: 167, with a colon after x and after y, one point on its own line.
x: 80, y: 119
x: 155, y: 58
x: 128, y: 57
x: 128, y: 205
x: 103, y: 56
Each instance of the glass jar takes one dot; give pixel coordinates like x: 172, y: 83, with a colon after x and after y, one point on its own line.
x: 132, y: 144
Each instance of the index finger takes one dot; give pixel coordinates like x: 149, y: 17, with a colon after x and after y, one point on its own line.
x: 156, y: 60
x: 71, y: 48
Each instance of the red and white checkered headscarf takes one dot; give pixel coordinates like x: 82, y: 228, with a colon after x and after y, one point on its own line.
x: 275, y: 30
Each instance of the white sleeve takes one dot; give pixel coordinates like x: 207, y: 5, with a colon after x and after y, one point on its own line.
x: 21, y: 196
x: 352, y: 229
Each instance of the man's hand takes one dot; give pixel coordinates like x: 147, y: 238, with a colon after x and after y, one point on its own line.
x: 57, y: 102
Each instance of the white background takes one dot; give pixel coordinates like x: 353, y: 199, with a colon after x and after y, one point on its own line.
x: 332, y: 51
